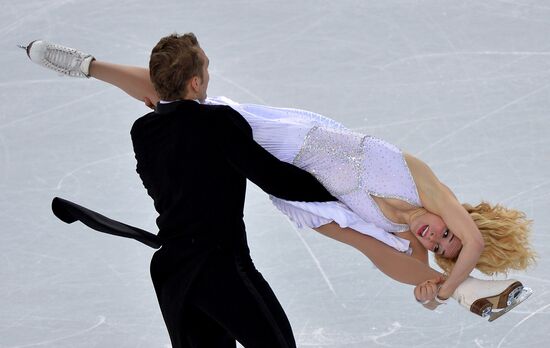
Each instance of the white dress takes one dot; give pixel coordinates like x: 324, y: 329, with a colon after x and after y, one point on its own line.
x: 353, y: 167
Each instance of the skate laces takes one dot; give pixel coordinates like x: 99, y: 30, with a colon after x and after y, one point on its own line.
x: 64, y: 60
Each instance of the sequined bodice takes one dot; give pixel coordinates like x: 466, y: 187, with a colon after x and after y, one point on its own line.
x: 355, y: 167
x: 352, y: 166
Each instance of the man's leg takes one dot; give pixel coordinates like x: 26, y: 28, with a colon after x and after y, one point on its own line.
x: 187, y: 326
x: 204, y: 332
x: 234, y: 294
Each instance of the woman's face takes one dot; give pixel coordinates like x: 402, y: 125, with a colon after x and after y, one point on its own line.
x: 433, y: 234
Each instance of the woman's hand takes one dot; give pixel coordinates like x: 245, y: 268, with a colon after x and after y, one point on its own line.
x: 426, y: 292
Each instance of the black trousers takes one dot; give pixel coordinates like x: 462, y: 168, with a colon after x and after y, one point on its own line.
x: 209, y: 291
x: 211, y: 295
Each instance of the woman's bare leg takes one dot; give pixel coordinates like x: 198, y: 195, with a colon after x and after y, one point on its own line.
x: 131, y: 79
x: 395, y: 264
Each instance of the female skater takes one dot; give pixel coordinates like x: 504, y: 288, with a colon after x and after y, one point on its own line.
x: 386, y: 194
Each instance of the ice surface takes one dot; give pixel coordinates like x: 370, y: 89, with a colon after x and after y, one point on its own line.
x: 462, y: 84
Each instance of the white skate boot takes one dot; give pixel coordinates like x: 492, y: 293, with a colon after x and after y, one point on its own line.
x: 65, y: 60
x: 482, y: 297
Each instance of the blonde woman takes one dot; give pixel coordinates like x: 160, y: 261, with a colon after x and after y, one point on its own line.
x: 391, y: 207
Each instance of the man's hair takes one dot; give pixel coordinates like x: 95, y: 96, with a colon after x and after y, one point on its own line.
x: 174, y: 61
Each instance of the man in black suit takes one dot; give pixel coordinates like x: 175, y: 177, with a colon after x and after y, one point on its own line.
x: 194, y: 160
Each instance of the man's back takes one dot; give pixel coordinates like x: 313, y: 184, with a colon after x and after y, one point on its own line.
x: 183, y: 170
x: 194, y: 159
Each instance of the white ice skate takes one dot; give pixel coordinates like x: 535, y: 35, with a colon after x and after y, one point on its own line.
x: 65, y: 60
x: 483, y: 297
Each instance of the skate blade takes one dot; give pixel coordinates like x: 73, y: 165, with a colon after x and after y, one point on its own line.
x: 522, y: 296
x: 505, y: 298
x: 484, y: 306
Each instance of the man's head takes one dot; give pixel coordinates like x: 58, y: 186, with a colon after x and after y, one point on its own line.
x: 178, y: 68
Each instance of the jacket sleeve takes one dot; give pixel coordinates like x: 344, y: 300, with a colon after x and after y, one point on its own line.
x: 272, y: 175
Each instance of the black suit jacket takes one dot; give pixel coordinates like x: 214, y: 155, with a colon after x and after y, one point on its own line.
x: 194, y: 159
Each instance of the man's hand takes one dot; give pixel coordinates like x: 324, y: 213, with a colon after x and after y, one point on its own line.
x: 149, y: 103
x: 426, y: 292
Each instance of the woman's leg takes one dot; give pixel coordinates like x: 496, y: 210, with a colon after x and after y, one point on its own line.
x: 131, y: 79
x: 395, y: 264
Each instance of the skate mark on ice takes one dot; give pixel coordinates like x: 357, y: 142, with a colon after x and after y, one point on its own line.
x: 396, y: 123
x: 101, y: 321
x: 530, y: 6
x: 500, y: 150
x: 481, y: 118
x: 460, y: 59
x: 106, y: 159
x: 315, y: 260
x: 5, y: 160
x: 320, y: 337
x: 58, y: 107
x: 466, y: 53
x: 395, y: 326
x: 302, y: 331
x: 544, y: 280
x: 446, y: 331
x: 240, y: 87
x: 45, y: 7
x: 479, y: 343
x: 258, y: 37
x: 521, y: 322
x: 507, y: 200
x: 17, y: 83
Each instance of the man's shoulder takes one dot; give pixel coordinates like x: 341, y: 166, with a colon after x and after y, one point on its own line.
x: 225, y: 114
x: 218, y: 110
x: 221, y: 117
x: 142, y: 122
x: 207, y: 117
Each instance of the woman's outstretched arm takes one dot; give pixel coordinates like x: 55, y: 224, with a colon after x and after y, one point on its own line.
x: 463, y: 226
x: 397, y: 265
x: 131, y: 79
x: 440, y: 200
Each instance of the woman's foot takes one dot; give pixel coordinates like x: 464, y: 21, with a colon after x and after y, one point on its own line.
x: 483, y: 297
x: 64, y: 60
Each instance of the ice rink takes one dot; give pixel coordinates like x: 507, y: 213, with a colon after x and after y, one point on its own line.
x: 464, y: 85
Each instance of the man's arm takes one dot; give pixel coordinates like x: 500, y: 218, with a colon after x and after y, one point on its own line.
x: 273, y: 176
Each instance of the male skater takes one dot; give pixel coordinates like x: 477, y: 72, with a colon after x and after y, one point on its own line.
x: 193, y: 160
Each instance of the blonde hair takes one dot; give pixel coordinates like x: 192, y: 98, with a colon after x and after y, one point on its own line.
x: 506, y: 235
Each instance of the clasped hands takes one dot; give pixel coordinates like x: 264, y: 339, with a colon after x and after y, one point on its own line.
x: 426, y: 292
